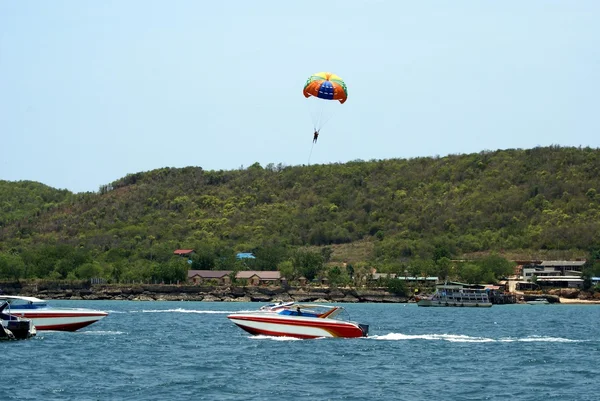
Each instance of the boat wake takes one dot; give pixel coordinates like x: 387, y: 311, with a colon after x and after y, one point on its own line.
x: 180, y: 310
x: 458, y: 338
x: 541, y: 339
x: 261, y: 337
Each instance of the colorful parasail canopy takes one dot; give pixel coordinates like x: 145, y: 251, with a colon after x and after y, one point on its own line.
x: 326, y: 85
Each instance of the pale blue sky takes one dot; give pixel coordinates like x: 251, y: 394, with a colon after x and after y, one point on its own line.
x: 91, y: 91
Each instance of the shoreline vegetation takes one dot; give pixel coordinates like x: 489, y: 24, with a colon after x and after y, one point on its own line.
x: 262, y: 294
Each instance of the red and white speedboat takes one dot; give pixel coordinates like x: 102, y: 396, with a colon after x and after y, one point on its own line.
x: 46, y: 317
x: 298, y: 320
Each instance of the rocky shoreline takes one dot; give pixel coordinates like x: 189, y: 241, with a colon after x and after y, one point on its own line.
x: 163, y: 292
x: 159, y: 292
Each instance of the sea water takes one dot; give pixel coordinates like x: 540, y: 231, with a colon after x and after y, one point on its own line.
x: 191, y: 351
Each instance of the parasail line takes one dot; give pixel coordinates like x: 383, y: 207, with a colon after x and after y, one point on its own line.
x: 310, y: 154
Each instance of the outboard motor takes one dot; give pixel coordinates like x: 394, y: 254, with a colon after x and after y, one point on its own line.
x: 364, y: 328
x: 13, y: 327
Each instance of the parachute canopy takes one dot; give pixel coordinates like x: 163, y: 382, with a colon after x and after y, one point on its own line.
x: 326, y: 85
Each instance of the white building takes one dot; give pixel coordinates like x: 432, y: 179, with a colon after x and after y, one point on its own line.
x: 556, y: 273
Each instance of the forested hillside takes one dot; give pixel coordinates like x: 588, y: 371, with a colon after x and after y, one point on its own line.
x: 398, y: 213
x: 27, y: 199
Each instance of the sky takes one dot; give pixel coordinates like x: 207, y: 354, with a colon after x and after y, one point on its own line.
x: 91, y: 91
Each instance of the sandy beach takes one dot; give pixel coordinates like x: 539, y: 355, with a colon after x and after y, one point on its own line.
x: 579, y: 301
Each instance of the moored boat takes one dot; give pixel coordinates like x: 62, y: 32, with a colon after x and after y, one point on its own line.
x: 459, y: 295
x: 46, y: 317
x: 538, y: 301
x: 299, y: 321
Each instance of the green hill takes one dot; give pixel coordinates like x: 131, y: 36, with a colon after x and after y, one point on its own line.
x: 27, y: 199
x: 385, y: 213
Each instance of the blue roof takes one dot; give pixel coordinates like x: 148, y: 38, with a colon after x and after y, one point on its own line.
x: 418, y: 278
x: 245, y: 255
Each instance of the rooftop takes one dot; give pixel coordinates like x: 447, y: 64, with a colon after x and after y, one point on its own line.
x: 245, y: 255
x: 208, y: 273
x: 563, y: 263
x: 183, y: 251
x: 263, y: 275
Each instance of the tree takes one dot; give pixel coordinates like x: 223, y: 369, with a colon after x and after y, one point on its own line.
x: 470, y: 273
x: 326, y: 253
x: 443, y: 266
x: 361, y: 273
x: 287, y: 270
x: 308, y: 263
x: 268, y: 257
x: 88, y: 270
x: 173, y: 271
x: 421, y: 267
x: 395, y: 286
x: 204, y: 259
x: 499, y: 266
x: 337, y: 276
x: 12, y: 267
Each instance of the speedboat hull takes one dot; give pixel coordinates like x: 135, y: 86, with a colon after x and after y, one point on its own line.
x: 298, y: 327
x: 61, y: 320
x: 45, y: 317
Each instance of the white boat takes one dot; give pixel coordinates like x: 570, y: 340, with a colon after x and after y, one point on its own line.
x: 538, y: 301
x: 46, y: 317
x: 459, y: 295
x: 299, y: 321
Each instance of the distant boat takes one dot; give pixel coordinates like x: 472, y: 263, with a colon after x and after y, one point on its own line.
x: 450, y: 295
x: 538, y: 301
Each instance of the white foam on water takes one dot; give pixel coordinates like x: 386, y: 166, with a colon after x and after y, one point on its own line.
x: 458, y: 338
x: 433, y: 337
x: 180, y: 310
x: 274, y: 338
x: 540, y: 339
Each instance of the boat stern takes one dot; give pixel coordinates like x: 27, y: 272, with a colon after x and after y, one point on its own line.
x: 364, y: 328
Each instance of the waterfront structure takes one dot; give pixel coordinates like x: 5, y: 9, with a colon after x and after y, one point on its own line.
x: 202, y: 276
x: 259, y: 277
x: 248, y: 277
x: 554, y: 273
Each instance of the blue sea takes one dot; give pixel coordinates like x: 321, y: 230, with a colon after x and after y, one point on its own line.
x: 191, y: 351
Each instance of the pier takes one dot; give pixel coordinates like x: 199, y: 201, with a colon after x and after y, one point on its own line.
x: 503, y: 298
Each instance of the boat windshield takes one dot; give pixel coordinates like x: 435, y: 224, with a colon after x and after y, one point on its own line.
x: 306, y: 310
x: 23, y: 302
